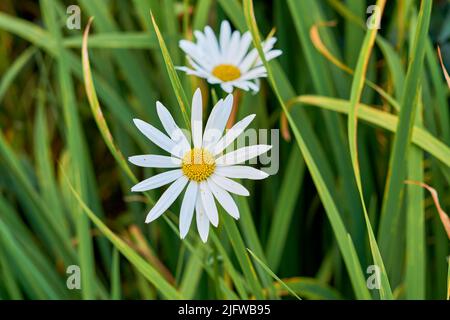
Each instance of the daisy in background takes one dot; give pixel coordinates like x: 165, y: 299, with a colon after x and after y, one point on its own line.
x: 227, y: 61
x: 201, y: 166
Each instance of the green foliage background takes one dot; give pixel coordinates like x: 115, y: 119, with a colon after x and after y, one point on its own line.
x: 337, y: 205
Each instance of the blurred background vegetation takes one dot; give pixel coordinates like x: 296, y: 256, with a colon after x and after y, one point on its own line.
x: 50, y: 143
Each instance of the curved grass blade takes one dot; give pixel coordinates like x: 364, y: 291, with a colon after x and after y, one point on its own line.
x: 420, y: 137
x: 150, y: 273
x: 95, y: 106
x: 176, y: 84
x: 393, y: 194
x: 347, y: 248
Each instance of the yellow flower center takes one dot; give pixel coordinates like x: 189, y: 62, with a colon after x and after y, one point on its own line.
x: 226, y: 72
x: 198, y: 164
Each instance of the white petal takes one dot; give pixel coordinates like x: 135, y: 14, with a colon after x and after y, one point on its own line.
x: 202, y: 220
x: 196, y: 119
x: 225, y: 32
x: 224, y: 198
x: 187, y: 208
x: 157, y: 180
x: 228, y: 88
x: 217, y: 121
x: 232, y: 134
x: 230, y: 185
x: 202, y: 43
x: 241, y: 172
x: 208, y: 203
x: 155, y: 161
x: 158, y: 138
x: 242, y: 154
x: 175, y: 133
x: 213, y: 80
x: 167, y: 198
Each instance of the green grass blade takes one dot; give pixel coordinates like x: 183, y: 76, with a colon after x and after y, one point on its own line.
x: 273, y: 275
x: 347, y: 248
x: 115, y: 276
x: 9, y: 76
x: 176, y: 84
x: 115, y: 40
x: 292, y: 182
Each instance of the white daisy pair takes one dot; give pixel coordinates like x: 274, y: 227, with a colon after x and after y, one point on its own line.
x: 200, y: 166
x: 227, y: 61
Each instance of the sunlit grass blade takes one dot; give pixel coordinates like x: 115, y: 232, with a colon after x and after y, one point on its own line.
x: 95, y: 106
x: 393, y: 195
x: 355, y: 97
x: 420, y: 137
x: 112, y: 40
x: 346, y: 246
x: 146, y: 269
x: 176, y: 84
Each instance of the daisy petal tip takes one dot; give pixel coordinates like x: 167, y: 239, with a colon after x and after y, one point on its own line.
x: 197, y: 92
x: 264, y: 175
x: 229, y: 99
x: 227, y: 88
x: 149, y: 219
x: 138, y: 122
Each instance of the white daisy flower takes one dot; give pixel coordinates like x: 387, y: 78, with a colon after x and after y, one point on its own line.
x: 227, y: 61
x: 201, y: 166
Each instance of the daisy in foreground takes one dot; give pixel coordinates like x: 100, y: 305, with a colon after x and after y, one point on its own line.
x: 227, y: 61
x: 201, y: 167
